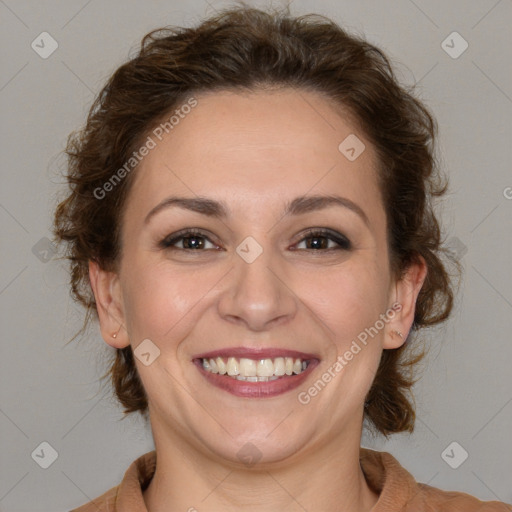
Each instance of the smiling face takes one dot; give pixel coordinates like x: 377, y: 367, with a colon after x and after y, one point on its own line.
x: 255, y: 280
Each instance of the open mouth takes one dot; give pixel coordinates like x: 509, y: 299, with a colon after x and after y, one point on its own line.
x: 252, y: 370
x: 256, y: 376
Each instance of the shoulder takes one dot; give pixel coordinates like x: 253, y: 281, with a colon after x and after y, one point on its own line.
x: 104, y: 503
x: 399, y: 491
x: 452, y: 501
x: 128, y: 494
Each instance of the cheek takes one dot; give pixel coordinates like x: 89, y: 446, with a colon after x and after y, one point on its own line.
x: 165, y: 302
x: 156, y: 299
x: 348, y: 299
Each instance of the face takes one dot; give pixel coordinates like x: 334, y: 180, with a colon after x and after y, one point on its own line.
x: 263, y: 277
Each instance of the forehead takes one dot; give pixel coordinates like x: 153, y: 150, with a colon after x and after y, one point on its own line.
x: 247, y: 147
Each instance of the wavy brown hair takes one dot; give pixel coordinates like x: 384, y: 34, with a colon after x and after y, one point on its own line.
x: 247, y: 49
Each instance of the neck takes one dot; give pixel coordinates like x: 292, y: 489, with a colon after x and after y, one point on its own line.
x: 327, y: 478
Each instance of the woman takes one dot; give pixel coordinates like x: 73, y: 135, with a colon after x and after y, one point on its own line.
x: 250, y: 218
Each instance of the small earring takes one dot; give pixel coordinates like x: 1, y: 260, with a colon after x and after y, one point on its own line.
x: 400, y: 334
x: 115, y: 334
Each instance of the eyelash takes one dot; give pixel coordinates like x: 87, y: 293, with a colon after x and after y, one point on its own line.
x: 343, y: 242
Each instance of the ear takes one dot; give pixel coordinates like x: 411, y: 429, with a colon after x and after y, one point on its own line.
x: 406, y: 291
x: 107, y: 292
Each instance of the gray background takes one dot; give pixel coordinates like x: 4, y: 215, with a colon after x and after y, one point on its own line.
x: 49, y: 390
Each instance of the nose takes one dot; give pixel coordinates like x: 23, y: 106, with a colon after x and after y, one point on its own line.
x: 259, y: 294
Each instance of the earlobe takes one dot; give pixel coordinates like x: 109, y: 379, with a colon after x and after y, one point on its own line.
x: 406, y: 292
x: 105, y: 286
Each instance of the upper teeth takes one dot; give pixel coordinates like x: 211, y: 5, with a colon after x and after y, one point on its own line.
x: 255, y: 368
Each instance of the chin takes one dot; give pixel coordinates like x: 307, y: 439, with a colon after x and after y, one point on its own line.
x: 252, y: 447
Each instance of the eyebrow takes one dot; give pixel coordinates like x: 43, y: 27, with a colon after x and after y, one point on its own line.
x: 218, y: 209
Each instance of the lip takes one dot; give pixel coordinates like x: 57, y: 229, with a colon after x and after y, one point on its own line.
x: 267, y: 389
x: 256, y: 353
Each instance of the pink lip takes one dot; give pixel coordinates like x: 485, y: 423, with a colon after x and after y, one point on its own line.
x: 257, y: 389
x: 256, y: 353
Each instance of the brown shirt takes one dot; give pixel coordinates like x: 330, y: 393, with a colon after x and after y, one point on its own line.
x: 397, y: 489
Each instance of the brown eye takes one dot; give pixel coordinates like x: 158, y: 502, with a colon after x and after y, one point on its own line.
x: 192, y: 241
x: 316, y: 240
x: 320, y: 240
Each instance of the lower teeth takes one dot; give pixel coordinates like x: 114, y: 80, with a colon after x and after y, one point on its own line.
x: 254, y: 379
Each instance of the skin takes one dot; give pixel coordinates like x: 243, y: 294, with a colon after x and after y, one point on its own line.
x: 255, y: 152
